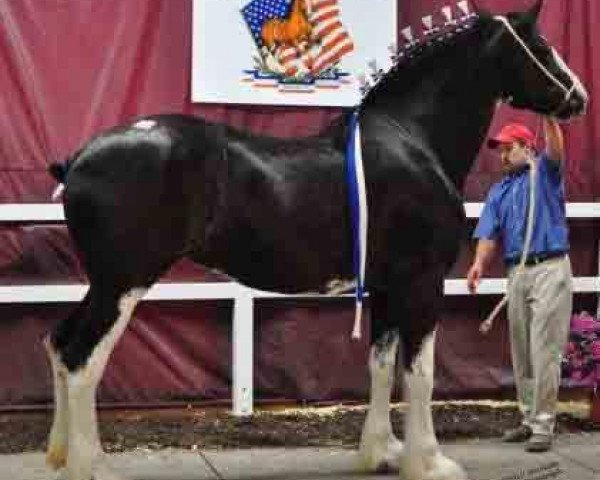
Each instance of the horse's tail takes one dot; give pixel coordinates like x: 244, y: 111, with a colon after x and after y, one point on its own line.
x: 59, y: 171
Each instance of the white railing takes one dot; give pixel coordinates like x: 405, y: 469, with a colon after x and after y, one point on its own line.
x: 242, y: 297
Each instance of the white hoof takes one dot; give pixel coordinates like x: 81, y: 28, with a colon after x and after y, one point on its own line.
x: 381, y: 456
x: 435, y: 467
x: 56, y: 455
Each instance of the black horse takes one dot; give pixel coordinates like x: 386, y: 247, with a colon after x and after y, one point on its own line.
x: 274, y: 214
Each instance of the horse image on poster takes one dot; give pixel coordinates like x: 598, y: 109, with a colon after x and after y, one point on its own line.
x: 274, y: 214
x: 300, y: 46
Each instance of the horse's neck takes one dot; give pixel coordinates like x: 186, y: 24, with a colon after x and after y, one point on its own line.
x: 452, y: 125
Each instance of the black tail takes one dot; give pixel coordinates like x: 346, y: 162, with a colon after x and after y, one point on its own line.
x: 59, y: 171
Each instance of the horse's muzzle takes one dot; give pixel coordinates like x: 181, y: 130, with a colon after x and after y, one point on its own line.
x: 573, y: 107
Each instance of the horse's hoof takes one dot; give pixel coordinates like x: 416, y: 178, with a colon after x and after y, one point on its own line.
x: 379, y: 466
x: 380, y: 458
x: 437, y: 468
x: 445, y: 468
x: 56, y: 457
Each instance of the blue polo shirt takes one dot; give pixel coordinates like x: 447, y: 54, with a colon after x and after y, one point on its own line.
x: 506, y: 208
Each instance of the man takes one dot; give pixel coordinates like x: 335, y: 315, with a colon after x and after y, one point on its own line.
x: 540, y: 296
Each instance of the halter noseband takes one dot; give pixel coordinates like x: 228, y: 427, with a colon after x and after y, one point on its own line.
x: 568, y: 91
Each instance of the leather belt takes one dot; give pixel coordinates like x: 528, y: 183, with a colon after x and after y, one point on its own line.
x: 536, y: 258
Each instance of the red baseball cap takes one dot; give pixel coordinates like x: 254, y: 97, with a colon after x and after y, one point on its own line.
x: 513, y: 132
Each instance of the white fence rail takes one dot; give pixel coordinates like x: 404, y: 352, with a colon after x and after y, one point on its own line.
x: 242, y: 297
x: 53, y: 212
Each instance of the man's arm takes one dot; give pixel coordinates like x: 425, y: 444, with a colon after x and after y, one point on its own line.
x: 555, y: 145
x: 486, y: 232
x: 483, y: 255
x: 485, y: 252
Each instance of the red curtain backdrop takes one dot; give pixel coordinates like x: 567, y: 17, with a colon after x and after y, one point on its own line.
x: 70, y: 69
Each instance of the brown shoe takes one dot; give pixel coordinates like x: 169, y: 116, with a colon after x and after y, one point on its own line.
x: 516, y: 435
x: 539, y: 443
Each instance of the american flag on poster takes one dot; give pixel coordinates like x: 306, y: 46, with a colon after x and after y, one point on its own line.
x: 334, y: 40
x: 298, y: 38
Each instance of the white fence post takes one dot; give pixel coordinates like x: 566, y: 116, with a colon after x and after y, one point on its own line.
x: 243, y: 352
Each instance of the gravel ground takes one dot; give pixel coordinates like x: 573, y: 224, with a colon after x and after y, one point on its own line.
x: 200, y: 428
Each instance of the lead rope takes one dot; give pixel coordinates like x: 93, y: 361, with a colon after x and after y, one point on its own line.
x: 486, y: 325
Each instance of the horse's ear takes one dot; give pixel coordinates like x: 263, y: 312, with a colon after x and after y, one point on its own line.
x: 534, y: 12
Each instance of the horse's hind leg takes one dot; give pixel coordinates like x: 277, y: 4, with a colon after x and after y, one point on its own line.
x: 102, y: 321
x: 56, y: 456
x: 379, y: 449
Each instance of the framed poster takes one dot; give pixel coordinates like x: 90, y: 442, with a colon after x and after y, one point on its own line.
x: 288, y: 52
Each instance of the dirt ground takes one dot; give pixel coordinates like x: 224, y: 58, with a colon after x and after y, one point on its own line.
x: 200, y: 428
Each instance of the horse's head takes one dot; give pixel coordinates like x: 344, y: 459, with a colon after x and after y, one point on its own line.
x: 531, y: 73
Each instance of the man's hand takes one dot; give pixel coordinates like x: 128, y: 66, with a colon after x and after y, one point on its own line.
x: 474, y: 276
x: 485, y: 250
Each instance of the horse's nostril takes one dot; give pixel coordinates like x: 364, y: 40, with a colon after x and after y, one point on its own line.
x: 574, y: 106
x: 578, y: 105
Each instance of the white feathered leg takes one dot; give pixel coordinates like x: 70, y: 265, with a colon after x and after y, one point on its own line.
x: 84, y: 460
x: 379, y: 449
x: 56, y: 454
x: 422, y: 458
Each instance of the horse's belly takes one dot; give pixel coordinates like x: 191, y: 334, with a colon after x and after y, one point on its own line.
x: 282, y: 257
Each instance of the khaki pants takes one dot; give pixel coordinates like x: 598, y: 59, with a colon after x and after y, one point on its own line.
x: 539, y: 311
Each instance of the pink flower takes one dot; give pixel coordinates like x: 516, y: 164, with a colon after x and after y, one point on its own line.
x: 584, y: 322
x: 596, y: 350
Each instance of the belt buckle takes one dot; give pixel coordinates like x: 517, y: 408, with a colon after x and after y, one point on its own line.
x: 533, y: 260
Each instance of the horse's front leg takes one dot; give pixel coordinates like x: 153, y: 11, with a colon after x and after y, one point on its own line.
x: 422, y: 458
x: 379, y: 449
